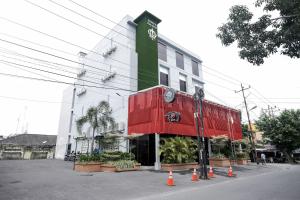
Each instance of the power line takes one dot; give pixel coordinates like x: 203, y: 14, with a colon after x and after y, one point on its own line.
x: 33, y: 100
x: 55, y: 49
x: 56, y: 56
x: 27, y: 71
x: 58, y: 68
x: 59, y: 74
x: 75, y: 23
x: 59, y: 39
x: 62, y: 82
x: 99, y: 14
x: 90, y: 19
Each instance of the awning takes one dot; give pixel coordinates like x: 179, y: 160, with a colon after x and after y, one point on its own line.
x: 148, y: 113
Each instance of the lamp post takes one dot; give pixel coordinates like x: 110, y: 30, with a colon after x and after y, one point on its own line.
x: 198, y: 98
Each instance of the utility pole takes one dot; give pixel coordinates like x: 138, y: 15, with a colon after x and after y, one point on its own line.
x: 249, y: 122
x: 198, y: 98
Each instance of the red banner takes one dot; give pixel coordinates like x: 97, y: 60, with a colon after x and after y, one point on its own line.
x: 148, y: 113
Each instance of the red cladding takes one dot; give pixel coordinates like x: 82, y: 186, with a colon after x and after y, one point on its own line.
x: 147, y: 114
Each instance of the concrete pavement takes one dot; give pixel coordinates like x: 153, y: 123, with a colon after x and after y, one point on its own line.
x: 54, y: 179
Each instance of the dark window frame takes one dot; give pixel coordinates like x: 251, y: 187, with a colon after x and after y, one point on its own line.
x: 167, y: 76
x: 165, y: 57
x: 178, y: 62
x: 195, y: 71
x: 182, y: 87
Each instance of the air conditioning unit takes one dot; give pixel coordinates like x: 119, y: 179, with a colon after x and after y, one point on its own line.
x: 109, y: 52
x: 108, y: 76
x: 81, y: 91
x: 81, y: 73
x: 121, y: 126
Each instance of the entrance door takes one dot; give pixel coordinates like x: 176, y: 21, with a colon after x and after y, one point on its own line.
x: 143, y: 148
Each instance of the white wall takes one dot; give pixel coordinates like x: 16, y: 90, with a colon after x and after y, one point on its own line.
x: 64, y: 122
x: 174, y: 71
x: 124, y: 62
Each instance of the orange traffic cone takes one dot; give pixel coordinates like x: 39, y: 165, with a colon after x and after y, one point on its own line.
x: 195, y: 176
x: 170, y: 181
x: 211, y: 172
x: 230, y: 172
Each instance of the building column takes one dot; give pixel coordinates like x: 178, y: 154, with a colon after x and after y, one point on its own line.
x: 240, y: 148
x: 209, y: 148
x: 157, y: 157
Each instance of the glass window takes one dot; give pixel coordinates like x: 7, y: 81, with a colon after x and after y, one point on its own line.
x: 162, y: 51
x: 197, y: 85
x: 179, y: 60
x: 195, y: 68
x: 182, y: 82
x: 164, y: 76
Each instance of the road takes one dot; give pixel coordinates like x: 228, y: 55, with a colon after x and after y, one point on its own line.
x: 277, y: 185
x: 55, y: 180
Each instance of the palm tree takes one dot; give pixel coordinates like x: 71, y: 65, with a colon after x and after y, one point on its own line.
x: 99, y: 119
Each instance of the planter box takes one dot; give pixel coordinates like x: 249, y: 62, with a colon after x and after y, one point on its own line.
x: 233, y: 162
x: 242, y: 162
x: 88, y: 167
x: 179, y: 166
x: 111, y: 168
x: 217, y: 162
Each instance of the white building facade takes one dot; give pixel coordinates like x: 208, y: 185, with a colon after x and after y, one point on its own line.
x: 132, y: 57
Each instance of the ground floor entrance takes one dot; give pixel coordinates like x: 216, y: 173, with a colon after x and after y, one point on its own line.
x: 143, y: 148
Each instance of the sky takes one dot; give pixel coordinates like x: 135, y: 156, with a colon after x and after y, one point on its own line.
x: 35, y: 105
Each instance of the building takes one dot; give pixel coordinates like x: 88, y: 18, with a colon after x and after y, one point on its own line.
x: 28, y: 147
x: 133, y: 57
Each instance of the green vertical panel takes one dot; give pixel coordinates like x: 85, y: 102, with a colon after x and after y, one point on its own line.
x: 146, y: 47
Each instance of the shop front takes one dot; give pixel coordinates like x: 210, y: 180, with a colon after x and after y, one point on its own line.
x: 162, y: 112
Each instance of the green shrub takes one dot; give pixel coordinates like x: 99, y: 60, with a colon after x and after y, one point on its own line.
x: 107, y: 156
x: 242, y: 155
x: 123, y: 164
x: 218, y: 156
x: 89, y: 158
x: 178, y: 150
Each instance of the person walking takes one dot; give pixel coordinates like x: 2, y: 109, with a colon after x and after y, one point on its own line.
x: 263, y: 158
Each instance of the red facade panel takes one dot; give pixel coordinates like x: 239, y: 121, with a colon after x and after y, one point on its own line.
x: 147, y: 114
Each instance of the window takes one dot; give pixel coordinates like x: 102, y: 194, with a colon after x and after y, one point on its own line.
x: 164, y: 76
x: 182, y: 82
x: 179, y: 60
x: 162, y: 51
x: 197, y: 85
x: 195, y: 68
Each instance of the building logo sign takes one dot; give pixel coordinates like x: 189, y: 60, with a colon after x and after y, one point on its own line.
x: 173, y: 116
x: 152, y: 24
x: 152, y: 34
x: 169, y: 95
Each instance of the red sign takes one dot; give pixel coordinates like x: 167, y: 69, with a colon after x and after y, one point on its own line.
x: 147, y: 115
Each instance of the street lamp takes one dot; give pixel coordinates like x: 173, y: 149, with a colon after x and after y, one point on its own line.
x: 198, y: 98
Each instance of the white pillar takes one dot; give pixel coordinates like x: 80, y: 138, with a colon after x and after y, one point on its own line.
x: 157, y: 157
x: 209, y: 148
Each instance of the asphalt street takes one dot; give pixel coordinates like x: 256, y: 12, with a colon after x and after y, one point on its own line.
x: 276, y: 185
x: 55, y: 180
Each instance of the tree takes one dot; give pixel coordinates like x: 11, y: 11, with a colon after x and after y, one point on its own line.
x: 99, y: 119
x: 245, y: 130
x: 282, y: 131
x: 257, y: 39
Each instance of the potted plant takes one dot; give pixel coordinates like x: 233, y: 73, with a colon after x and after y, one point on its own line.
x: 117, y: 161
x: 220, y: 156
x: 242, y: 158
x: 178, y: 153
x: 88, y: 163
